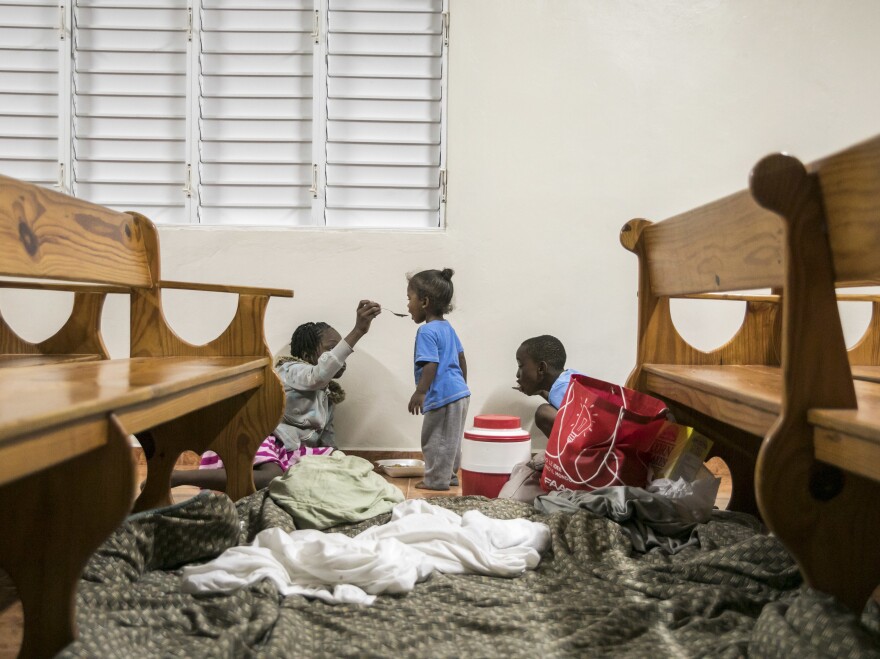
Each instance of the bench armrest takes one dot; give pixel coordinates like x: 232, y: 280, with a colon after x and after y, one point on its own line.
x: 106, y: 288
x: 220, y: 288
x: 841, y: 297
x: 730, y: 296
x: 64, y: 286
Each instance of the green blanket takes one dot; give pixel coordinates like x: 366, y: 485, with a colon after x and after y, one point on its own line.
x: 321, y: 491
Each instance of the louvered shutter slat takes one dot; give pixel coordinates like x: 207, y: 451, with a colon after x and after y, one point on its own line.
x: 255, y: 113
x: 384, y: 113
x: 129, y: 105
x: 29, y: 91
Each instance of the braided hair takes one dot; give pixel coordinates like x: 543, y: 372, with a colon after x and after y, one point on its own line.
x: 306, y: 341
x: 436, y: 285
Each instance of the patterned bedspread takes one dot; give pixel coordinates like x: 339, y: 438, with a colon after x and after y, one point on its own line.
x: 739, y: 594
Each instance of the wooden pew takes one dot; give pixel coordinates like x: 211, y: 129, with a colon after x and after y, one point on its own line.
x: 826, y: 416
x: 729, y: 245
x: 66, y: 469
x: 781, y: 395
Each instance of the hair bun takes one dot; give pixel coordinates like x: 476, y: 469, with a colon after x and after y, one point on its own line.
x: 447, y: 273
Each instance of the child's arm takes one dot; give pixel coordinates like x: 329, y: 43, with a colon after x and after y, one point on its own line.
x: 309, y: 377
x: 207, y: 479
x: 265, y: 473
x: 429, y: 370
x: 462, y: 364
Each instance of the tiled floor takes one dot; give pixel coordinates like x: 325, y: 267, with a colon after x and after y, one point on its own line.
x: 406, y: 485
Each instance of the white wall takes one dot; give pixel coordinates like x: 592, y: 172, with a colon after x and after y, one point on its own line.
x: 566, y: 119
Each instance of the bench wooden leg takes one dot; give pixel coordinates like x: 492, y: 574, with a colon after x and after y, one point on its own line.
x: 156, y: 491
x: 238, y: 443
x: 234, y: 428
x: 52, y: 522
x: 827, y: 518
x: 195, y: 431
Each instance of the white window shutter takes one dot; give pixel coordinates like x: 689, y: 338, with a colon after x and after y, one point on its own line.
x: 231, y: 112
x: 29, y: 90
x: 384, y: 113
x: 255, y: 112
x: 129, y: 105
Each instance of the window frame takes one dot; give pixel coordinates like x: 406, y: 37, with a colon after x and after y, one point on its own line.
x: 191, y: 182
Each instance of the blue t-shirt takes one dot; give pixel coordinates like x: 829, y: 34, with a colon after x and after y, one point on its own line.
x: 557, y: 391
x: 437, y: 342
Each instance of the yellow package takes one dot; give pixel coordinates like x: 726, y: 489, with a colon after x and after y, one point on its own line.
x: 678, y: 452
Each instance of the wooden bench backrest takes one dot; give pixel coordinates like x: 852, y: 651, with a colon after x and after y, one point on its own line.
x: 729, y: 245
x: 49, y: 235
x: 734, y: 244
x: 850, y: 183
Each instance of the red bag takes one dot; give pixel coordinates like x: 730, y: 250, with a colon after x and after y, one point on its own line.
x: 602, y: 436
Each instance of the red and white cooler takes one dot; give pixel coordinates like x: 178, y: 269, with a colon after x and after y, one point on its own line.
x: 489, y: 452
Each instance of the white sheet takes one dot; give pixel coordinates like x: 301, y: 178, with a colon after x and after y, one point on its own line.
x: 390, y: 558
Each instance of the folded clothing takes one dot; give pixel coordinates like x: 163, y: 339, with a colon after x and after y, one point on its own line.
x: 321, y: 491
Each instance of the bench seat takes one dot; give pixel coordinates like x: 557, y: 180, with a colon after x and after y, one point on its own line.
x: 37, y: 360
x: 746, y: 397
x: 55, y: 401
x: 850, y: 439
x: 749, y: 398
x: 870, y: 373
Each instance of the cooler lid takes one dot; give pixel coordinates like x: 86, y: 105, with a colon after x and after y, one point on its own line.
x: 497, y: 421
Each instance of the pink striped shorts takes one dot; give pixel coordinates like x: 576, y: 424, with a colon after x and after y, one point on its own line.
x: 271, y: 450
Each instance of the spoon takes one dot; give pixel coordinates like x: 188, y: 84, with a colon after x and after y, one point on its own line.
x: 399, y: 315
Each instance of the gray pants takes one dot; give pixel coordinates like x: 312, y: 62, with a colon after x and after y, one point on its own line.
x: 442, y: 430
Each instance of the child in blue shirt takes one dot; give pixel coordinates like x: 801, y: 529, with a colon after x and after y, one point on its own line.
x: 540, y: 369
x: 441, y: 394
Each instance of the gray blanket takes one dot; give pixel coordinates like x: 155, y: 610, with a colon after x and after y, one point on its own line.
x: 735, y: 595
x: 650, y: 521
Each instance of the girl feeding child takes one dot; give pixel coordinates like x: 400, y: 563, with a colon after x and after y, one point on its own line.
x: 317, y: 358
x: 441, y: 394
